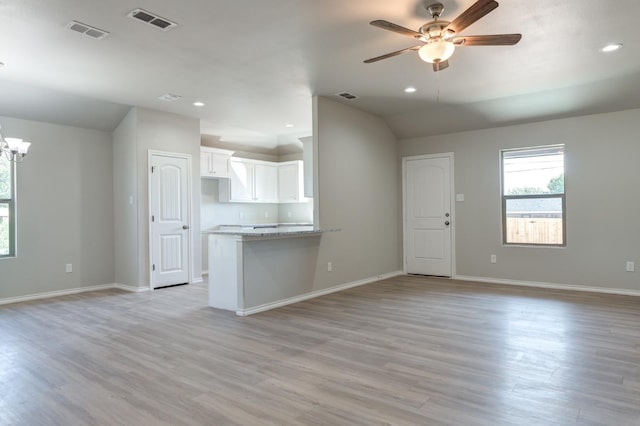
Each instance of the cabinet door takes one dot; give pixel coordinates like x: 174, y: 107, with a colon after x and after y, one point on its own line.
x: 266, y: 183
x: 205, y: 163
x: 242, y: 177
x: 219, y: 164
x: 214, y: 162
x: 288, y: 183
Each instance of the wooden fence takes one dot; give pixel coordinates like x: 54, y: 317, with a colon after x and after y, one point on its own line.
x: 528, y: 230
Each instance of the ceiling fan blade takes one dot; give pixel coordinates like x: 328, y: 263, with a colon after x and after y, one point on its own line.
x: 471, y: 15
x: 488, y: 40
x: 392, y: 54
x: 386, y: 25
x: 439, y: 66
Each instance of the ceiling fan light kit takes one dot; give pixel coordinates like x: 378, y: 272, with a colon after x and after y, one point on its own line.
x: 436, y: 51
x: 439, y: 38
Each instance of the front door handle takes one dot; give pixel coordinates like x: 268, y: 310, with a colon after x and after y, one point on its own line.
x: 185, y: 226
x: 446, y: 222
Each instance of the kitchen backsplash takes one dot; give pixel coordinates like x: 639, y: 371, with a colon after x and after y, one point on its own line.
x: 214, y: 213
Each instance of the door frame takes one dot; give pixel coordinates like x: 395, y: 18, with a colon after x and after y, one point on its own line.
x: 450, y: 156
x: 150, y: 154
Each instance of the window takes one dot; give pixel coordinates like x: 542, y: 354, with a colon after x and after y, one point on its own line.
x: 7, y: 207
x: 533, y: 198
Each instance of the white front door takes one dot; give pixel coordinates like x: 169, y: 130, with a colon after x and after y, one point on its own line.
x: 427, y: 214
x: 169, y: 187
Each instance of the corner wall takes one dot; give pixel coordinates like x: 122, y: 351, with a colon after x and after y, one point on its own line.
x: 358, y: 191
x: 64, y: 210
x: 167, y: 132
x: 602, y: 201
x: 125, y: 200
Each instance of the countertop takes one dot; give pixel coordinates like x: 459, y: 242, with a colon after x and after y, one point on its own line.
x: 264, y: 230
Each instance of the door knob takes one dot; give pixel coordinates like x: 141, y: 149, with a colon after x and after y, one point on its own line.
x: 185, y: 226
x: 446, y: 222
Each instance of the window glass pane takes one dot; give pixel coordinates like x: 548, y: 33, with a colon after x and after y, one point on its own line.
x: 534, y: 221
x: 533, y: 171
x: 5, y: 178
x: 4, y: 230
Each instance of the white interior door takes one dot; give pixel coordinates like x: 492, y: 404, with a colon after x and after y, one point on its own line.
x: 427, y: 215
x: 169, y: 188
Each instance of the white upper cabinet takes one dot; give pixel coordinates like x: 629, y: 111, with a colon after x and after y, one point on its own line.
x: 290, y: 182
x: 241, y: 185
x: 254, y: 181
x: 215, y: 163
x: 266, y: 183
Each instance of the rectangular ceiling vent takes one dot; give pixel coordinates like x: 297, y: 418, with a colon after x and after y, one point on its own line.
x: 346, y: 95
x: 87, y: 30
x: 152, y: 19
x: 169, y: 97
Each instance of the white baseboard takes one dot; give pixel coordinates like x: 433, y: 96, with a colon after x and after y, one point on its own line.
x: 555, y: 286
x: 56, y: 293
x: 197, y: 280
x: 307, y: 296
x: 131, y: 288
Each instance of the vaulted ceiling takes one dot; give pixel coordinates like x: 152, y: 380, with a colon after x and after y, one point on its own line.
x: 257, y: 63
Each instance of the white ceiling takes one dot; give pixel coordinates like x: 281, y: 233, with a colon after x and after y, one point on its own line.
x: 257, y: 63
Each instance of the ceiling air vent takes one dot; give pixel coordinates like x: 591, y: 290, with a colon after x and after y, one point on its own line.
x: 87, y: 30
x: 169, y: 97
x: 152, y: 19
x: 346, y: 95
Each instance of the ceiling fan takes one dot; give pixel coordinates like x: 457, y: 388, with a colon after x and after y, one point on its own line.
x: 439, y: 38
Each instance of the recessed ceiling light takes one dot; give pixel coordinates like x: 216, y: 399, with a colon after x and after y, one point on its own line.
x: 410, y: 89
x: 288, y: 125
x: 612, y: 47
x: 198, y: 104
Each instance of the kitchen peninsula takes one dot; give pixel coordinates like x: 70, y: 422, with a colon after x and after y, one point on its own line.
x: 260, y: 267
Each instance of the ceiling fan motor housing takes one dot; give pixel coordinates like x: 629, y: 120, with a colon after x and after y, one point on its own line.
x: 435, y: 30
x: 434, y: 9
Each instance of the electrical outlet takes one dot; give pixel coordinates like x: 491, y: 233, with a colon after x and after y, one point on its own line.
x: 494, y: 259
x: 240, y: 215
x: 69, y: 268
x: 631, y: 266
x: 329, y: 267
x: 288, y: 214
x: 266, y: 215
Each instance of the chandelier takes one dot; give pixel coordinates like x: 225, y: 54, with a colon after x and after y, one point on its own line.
x: 14, y: 149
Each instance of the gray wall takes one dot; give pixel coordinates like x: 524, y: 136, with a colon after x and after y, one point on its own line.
x: 125, y: 200
x: 171, y: 133
x: 358, y: 190
x: 602, y: 200
x: 64, y: 210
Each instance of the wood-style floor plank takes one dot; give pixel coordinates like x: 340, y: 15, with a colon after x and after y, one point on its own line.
x: 404, y: 351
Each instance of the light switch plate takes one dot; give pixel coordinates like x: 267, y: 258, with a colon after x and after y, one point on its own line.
x: 459, y: 198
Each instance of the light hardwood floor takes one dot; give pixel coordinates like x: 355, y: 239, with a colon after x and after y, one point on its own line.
x: 404, y: 351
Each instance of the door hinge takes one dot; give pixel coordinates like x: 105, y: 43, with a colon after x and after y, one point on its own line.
x: 154, y: 267
x: 153, y: 169
x: 153, y: 218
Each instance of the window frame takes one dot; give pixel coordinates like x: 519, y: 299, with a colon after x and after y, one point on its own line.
x: 504, y: 198
x: 12, y: 209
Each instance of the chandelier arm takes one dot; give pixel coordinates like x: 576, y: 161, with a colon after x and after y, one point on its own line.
x: 16, y: 155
